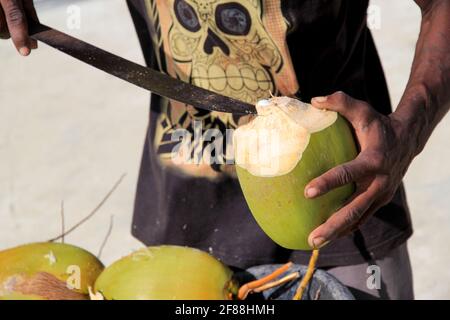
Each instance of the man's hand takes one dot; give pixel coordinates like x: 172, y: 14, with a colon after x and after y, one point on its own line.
x: 13, y: 23
x: 389, y: 143
x: 386, y: 153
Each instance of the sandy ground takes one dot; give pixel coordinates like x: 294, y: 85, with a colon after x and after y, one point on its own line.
x: 68, y: 131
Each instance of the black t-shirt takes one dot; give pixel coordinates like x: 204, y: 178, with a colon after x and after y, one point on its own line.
x: 248, y: 50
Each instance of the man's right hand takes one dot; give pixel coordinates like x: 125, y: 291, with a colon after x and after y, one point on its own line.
x: 13, y: 23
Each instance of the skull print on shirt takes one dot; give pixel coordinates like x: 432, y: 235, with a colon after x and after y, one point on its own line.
x: 236, y: 48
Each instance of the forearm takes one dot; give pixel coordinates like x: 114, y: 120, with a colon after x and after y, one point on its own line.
x: 426, y: 99
x: 388, y: 144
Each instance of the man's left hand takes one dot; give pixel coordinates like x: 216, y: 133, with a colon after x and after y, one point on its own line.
x: 385, y: 154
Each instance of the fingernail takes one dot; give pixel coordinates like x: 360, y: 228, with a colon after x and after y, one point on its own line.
x: 320, y: 99
x: 319, y: 242
x: 312, y: 192
x: 24, y: 51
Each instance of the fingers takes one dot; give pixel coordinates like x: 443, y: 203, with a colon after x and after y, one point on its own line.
x: 336, y: 177
x: 344, y: 220
x: 354, y: 110
x: 17, y: 25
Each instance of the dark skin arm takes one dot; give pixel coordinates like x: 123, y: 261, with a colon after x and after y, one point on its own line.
x: 389, y: 143
x: 13, y: 23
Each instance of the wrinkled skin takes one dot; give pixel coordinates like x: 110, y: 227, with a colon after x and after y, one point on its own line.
x: 389, y: 143
x: 13, y: 23
x: 377, y: 171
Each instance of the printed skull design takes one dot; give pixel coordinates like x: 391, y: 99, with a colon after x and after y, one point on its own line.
x: 236, y: 48
x: 224, y: 47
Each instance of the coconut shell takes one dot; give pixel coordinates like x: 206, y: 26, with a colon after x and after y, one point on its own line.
x: 278, y: 203
x: 166, y: 273
x: 44, y: 271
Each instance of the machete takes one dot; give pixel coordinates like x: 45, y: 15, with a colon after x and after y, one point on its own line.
x: 146, y: 78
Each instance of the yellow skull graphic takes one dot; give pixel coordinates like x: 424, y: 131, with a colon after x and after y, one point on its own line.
x: 225, y: 46
x: 236, y: 48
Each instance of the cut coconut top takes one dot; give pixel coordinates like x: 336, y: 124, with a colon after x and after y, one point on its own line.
x: 273, y: 143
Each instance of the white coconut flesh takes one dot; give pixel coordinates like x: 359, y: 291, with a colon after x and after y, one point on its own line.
x: 273, y: 142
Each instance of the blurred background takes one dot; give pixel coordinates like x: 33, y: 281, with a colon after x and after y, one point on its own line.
x: 68, y: 132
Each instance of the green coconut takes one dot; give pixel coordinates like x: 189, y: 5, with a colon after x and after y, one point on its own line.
x: 47, y: 271
x: 166, y: 273
x: 278, y: 153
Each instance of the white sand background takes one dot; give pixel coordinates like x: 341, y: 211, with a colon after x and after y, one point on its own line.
x: 68, y: 131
